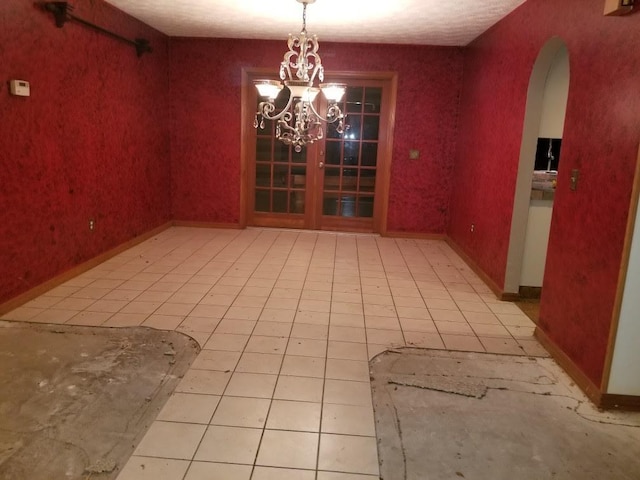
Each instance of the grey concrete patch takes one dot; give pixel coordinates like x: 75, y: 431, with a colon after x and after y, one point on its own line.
x: 74, y: 401
x: 446, y: 415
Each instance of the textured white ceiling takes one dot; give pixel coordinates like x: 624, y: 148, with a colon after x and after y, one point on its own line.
x: 418, y: 22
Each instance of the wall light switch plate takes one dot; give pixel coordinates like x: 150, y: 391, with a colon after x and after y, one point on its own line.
x: 20, y: 88
x: 414, y: 154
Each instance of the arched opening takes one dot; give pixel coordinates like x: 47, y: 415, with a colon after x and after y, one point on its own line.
x: 539, y: 160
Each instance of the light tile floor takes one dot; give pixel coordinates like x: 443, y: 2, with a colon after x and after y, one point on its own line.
x: 287, y: 321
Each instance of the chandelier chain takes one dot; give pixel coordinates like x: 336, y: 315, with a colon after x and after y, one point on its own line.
x: 304, y: 17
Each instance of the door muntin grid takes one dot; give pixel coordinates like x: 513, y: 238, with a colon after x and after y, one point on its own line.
x: 351, y: 158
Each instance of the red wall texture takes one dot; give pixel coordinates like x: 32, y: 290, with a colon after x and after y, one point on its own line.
x: 91, y: 141
x: 602, y: 132
x: 205, y: 129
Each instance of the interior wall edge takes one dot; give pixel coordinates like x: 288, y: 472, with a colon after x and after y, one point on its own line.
x: 589, y: 388
x: 495, y: 288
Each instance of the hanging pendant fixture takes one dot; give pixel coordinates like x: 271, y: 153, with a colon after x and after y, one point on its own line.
x: 299, y: 123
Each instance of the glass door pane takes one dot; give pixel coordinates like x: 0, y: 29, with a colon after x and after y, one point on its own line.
x: 351, y: 158
x: 281, y: 172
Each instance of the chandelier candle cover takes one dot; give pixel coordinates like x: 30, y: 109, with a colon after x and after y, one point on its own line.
x: 299, y: 123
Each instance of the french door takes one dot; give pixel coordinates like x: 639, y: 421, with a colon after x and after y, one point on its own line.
x: 337, y: 183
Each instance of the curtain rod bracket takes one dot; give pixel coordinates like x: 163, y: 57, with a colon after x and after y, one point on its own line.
x: 62, y: 13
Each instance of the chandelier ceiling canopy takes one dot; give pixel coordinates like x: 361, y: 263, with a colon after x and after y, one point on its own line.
x: 299, y: 122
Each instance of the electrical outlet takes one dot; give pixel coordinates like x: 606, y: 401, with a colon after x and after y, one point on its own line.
x: 473, y: 227
x: 92, y: 224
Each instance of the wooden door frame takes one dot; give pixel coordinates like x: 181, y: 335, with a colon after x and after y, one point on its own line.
x: 246, y: 139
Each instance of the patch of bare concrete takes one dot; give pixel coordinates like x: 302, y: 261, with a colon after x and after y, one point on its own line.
x: 444, y: 415
x: 74, y: 401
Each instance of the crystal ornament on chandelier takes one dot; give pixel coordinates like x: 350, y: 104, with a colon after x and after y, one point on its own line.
x: 298, y: 123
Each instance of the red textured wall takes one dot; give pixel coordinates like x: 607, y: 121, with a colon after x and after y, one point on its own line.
x: 92, y: 141
x: 602, y: 132
x: 205, y: 80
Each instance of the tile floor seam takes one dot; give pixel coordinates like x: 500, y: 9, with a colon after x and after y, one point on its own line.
x: 227, y: 382
x: 264, y: 427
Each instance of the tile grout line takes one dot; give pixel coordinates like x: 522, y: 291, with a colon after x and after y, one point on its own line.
x: 192, y: 460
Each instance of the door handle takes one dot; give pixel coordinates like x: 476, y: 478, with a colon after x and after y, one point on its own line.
x: 321, y: 165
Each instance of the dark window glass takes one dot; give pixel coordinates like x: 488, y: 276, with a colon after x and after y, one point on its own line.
x: 353, y: 128
x: 333, y: 153
x: 263, y: 175
x: 548, y: 154
x: 348, y: 206
x: 351, y: 153
x: 371, y: 127
x: 365, y: 207
x: 299, y: 171
x: 298, y: 157
x: 280, y: 201
x: 297, y: 201
x: 262, y: 201
x: 332, y: 178
x: 280, y: 176
x: 372, y: 100
x: 332, y: 131
x: 281, y: 153
x: 367, y: 180
x: 369, y: 154
x: 330, y: 204
x: 263, y: 149
x: 354, y: 99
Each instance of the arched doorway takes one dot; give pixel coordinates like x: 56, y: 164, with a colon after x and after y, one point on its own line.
x: 543, y: 125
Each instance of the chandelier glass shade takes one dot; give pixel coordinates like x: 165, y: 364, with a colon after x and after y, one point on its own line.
x: 299, y: 123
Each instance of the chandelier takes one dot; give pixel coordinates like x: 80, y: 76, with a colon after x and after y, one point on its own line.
x: 299, y: 123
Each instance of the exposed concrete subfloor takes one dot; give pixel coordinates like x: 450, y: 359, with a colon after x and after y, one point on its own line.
x: 445, y: 415
x: 74, y: 401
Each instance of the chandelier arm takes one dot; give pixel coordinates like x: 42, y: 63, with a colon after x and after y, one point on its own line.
x: 263, y: 109
x: 285, y: 66
x: 332, y: 109
x: 289, y: 131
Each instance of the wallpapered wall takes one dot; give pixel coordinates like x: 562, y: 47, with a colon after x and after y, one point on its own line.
x: 205, y: 129
x: 135, y: 142
x: 601, y: 137
x: 90, y: 142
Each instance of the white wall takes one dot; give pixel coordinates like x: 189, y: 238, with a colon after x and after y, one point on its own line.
x: 624, y: 378
x: 531, y: 128
x: 554, y: 109
x: 536, y: 242
x: 554, y: 103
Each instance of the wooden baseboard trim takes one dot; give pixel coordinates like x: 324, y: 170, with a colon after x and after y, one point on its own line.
x: 228, y: 226
x: 620, y: 402
x: 495, y: 288
x: 604, y: 401
x: 589, y: 388
x: 58, y: 280
x: 415, y: 235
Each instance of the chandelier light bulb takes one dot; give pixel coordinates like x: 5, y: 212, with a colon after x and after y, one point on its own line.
x: 268, y: 88
x: 333, y: 92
